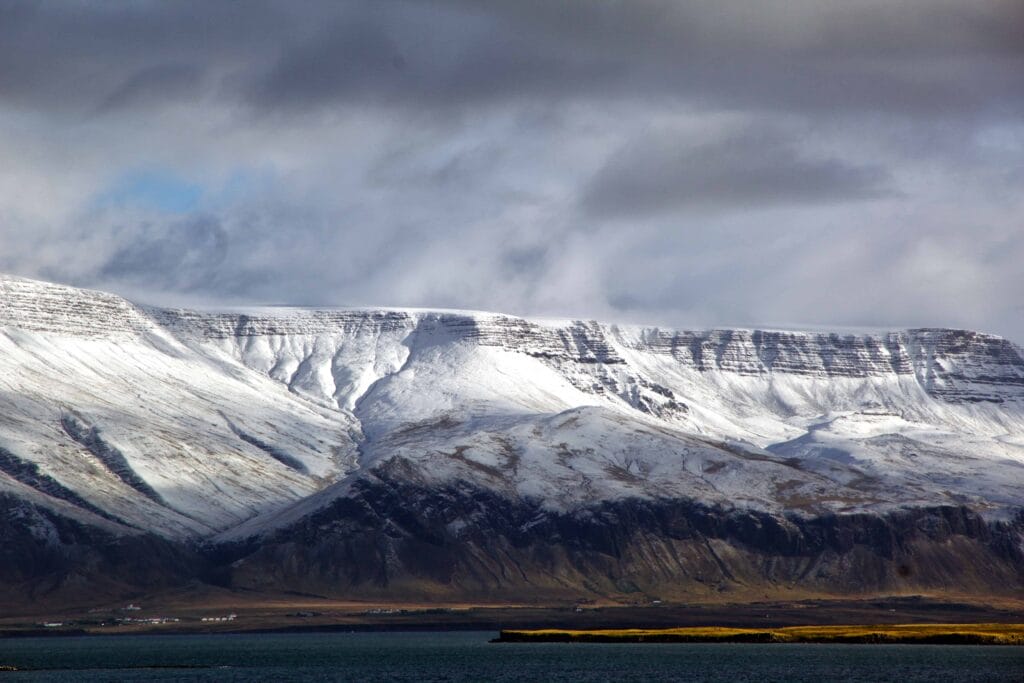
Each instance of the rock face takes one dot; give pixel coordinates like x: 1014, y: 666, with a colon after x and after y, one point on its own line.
x: 51, y: 558
x: 393, y: 539
x: 48, y: 308
x: 955, y: 365
x: 408, y: 452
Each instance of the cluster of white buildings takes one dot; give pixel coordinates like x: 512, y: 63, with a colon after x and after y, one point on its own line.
x: 147, y: 620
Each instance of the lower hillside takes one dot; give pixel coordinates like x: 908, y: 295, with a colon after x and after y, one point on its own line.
x: 393, y: 539
x: 49, y: 558
x: 389, y: 540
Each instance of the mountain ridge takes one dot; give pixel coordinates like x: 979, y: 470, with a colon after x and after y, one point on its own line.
x: 235, y: 429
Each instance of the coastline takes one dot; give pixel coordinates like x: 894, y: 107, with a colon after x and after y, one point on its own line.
x: 177, y: 614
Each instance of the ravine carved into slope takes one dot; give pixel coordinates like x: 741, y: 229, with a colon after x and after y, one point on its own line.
x: 28, y: 473
x: 89, y: 438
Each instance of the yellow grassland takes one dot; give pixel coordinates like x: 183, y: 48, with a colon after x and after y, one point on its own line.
x: 978, y: 634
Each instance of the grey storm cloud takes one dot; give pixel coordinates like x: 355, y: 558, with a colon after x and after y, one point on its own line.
x: 904, y: 57
x: 154, y: 85
x: 181, y: 255
x: 752, y: 168
x: 689, y: 163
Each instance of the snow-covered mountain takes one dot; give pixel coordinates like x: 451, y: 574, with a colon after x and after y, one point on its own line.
x: 238, y: 428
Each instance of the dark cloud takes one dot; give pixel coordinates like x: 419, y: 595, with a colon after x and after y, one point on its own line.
x: 154, y: 85
x: 780, y: 56
x: 179, y: 255
x: 751, y: 169
x: 908, y: 57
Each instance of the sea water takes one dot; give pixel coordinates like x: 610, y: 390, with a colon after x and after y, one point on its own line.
x: 468, y: 656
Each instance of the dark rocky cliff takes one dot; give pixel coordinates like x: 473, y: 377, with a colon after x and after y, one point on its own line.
x: 49, y: 558
x: 392, y: 539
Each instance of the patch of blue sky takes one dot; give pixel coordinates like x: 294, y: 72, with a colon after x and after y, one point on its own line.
x: 240, y: 183
x: 164, y: 190
x: 153, y: 188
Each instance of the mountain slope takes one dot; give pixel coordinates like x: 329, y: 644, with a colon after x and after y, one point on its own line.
x: 241, y: 430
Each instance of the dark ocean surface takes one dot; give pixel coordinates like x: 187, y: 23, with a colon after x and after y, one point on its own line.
x: 468, y: 656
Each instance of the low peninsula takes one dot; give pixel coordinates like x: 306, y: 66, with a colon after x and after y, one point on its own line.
x: 947, y: 634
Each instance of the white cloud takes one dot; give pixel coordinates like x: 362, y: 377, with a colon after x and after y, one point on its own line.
x: 527, y: 158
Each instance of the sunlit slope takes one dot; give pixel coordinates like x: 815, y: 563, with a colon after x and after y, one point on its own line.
x: 157, y: 435
x: 192, y: 424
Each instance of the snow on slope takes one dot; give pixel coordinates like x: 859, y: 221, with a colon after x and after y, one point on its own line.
x: 161, y: 436
x: 191, y: 423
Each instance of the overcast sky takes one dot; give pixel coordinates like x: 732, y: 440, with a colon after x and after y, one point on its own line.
x: 812, y: 163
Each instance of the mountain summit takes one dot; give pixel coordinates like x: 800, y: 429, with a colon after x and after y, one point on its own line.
x: 404, y: 453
